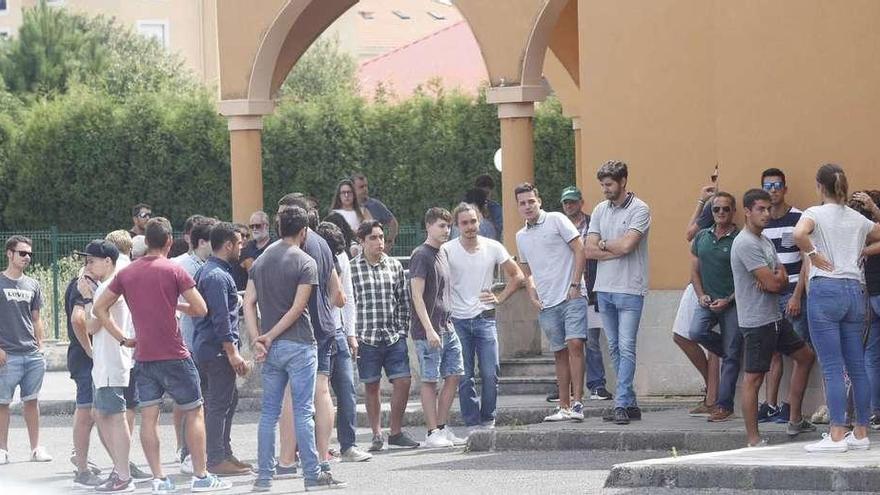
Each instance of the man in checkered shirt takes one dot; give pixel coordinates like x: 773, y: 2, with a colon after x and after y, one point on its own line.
x: 381, y: 295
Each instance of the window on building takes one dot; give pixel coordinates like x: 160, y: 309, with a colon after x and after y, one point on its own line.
x: 157, y: 30
x: 3, y: 7
x: 436, y: 15
x: 365, y: 14
x: 401, y: 14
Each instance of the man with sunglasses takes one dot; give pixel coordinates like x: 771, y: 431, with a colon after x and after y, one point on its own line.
x: 712, y: 277
x: 793, y: 298
x: 22, y: 363
x: 259, y: 228
x: 141, y: 213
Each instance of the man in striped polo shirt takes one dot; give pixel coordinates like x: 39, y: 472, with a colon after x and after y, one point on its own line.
x: 792, y: 301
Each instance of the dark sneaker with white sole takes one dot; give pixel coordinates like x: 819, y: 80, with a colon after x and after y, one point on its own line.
x: 601, y: 393
x: 325, y: 481
x: 402, y: 439
x: 634, y: 413
x: 115, y: 485
x: 802, y: 426
x: 620, y: 416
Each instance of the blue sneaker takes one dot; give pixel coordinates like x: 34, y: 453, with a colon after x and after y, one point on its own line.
x: 286, y: 473
x: 262, y: 486
x: 210, y: 483
x: 784, y: 414
x: 767, y: 413
x: 163, y: 486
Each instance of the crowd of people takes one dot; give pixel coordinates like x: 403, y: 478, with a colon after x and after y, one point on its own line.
x: 325, y: 298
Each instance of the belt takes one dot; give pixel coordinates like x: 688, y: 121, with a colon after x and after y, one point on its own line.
x: 489, y: 313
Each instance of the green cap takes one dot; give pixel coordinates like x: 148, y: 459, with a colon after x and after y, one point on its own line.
x: 571, y: 193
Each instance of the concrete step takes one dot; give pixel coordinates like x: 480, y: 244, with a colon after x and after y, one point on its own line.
x: 529, y: 366
x: 525, y: 385
x: 783, y: 468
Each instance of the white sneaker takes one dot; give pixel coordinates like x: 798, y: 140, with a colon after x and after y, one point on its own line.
x: 39, y: 454
x: 456, y: 441
x: 827, y: 445
x: 577, y: 411
x: 186, y: 465
x: 354, y: 454
x: 437, y: 440
x: 488, y: 425
x: 4, y: 457
x: 560, y: 415
x: 853, y: 443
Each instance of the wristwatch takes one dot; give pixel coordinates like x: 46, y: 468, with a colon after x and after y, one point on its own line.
x: 122, y: 342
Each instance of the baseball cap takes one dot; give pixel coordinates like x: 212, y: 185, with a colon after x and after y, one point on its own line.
x: 571, y: 193
x: 100, y: 248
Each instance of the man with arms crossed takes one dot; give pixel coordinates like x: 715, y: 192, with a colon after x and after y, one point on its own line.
x: 472, y: 261
x: 552, y: 258
x: 436, y: 343
x: 618, y: 239
x: 151, y: 286
x: 381, y: 296
x: 759, y: 277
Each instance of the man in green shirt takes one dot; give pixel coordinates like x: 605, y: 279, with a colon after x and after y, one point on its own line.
x: 713, y: 283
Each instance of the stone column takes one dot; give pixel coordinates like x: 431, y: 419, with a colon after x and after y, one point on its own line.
x: 245, y: 122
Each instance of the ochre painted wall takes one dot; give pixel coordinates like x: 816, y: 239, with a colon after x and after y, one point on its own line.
x: 674, y: 86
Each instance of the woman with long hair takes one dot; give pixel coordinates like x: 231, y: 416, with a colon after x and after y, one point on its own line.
x: 351, y: 247
x: 345, y: 203
x: 833, y: 237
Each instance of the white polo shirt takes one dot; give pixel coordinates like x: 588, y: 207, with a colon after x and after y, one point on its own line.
x: 544, y: 247
x: 112, y: 362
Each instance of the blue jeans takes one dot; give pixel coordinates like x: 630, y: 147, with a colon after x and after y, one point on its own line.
x: 728, y: 345
x: 593, y: 357
x: 479, y: 343
x: 342, y: 381
x: 872, y: 355
x: 837, y: 316
x: 295, y: 363
x: 800, y: 323
x: 621, y: 314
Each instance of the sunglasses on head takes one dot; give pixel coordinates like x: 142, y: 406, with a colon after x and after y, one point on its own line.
x: 718, y: 209
x: 145, y: 215
x: 769, y: 186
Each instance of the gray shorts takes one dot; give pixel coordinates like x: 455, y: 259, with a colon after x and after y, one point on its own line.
x: 110, y: 400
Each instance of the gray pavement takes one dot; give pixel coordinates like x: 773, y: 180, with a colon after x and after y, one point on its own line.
x: 393, y: 472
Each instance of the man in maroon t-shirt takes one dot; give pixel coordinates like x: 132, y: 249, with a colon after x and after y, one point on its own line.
x: 151, y: 287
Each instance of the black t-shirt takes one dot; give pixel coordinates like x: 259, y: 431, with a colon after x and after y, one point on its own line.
x: 249, y: 250
x: 431, y: 264
x: 872, y: 275
x: 78, y: 362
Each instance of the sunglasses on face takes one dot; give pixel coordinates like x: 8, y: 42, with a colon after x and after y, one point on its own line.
x: 145, y: 215
x: 719, y: 209
x: 25, y: 254
x: 769, y: 186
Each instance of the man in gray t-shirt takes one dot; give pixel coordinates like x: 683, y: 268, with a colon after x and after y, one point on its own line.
x: 21, y: 343
x: 618, y: 239
x: 758, y: 278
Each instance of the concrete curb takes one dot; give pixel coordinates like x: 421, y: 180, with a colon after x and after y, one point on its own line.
x: 757, y: 477
x: 584, y: 439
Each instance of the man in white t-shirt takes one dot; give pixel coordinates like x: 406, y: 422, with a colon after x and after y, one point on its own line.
x: 112, y: 364
x: 472, y: 262
x: 552, y: 256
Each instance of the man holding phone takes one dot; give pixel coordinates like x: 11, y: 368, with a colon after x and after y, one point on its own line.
x: 712, y: 278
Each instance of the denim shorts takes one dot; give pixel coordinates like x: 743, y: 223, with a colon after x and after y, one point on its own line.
x: 25, y: 371
x: 565, y: 321
x: 178, y: 377
x: 110, y: 400
x: 393, y: 358
x: 84, y: 389
x: 325, y: 355
x: 442, y: 361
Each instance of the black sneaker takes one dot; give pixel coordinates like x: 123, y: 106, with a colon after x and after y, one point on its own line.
x: 553, y: 396
x: 634, y: 413
x: 286, y: 473
x: 601, y: 393
x: 874, y: 422
x: 115, y: 485
x: 608, y: 414
x: 402, y: 439
x: 87, y: 478
x: 767, y: 413
x: 784, y: 415
x: 138, y: 474
x: 620, y: 416
x: 324, y: 481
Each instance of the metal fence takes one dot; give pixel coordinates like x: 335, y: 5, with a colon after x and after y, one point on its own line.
x: 54, y: 266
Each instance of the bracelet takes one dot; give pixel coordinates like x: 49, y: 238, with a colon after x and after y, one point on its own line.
x: 813, y: 252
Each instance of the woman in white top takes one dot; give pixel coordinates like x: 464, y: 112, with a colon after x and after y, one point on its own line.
x: 833, y: 237
x: 345, y: 203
